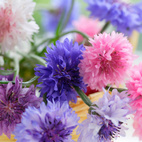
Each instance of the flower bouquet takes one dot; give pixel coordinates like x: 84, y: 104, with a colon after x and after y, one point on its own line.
x: 74, y: 66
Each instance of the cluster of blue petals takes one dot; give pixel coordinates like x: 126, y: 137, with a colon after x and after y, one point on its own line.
x: 61, y: 73
x: 125, y: 17
x: 51, y: 123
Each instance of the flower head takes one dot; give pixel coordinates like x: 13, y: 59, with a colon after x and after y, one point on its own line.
x: 91, y: 28
x: 51, y: 123
x: 134, y: 85
x: 16, y: 23
x: 107, y: 122
x: 125, y: 17
x: 13, y: 101
x: 61, y: 72
x: 137, y: 124
x: 107, y: 61
x: 51, y: 18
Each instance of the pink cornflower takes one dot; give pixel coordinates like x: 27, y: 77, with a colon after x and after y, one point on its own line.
x: 137, y: 124
x: 16, y: 23
x: 107, y: 61
x: 134, y: 85
x: 88, y: 26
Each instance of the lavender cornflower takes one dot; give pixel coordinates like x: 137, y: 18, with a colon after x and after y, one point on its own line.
x: 51, y: 18
x: 13, y: 101
x: 106, y: 121
x: 125, y: 17
x: 61, y: 73
x: 51, y: 123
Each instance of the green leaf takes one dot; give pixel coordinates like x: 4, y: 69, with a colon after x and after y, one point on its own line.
x: 58, y: 30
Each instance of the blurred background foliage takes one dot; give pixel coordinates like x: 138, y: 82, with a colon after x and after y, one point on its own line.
x: 83, y: 5
x: 28, y: 62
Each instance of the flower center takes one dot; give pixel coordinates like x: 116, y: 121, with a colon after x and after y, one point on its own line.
x: 108, y: 131
x: 5, y: 19
x: 55, y: 131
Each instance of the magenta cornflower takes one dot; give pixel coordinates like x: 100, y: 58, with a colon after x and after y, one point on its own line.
x: 107, y: 61
x: 137, y: 124
x: 13, y: 101
x: 134, y: 85
x: 91, y: 28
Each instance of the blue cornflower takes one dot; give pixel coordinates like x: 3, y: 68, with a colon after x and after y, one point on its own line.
x: 51, y: 18
x: 51, y: 123
x: 107, y: 122
x: 61, y: 73
x: 125, y: 17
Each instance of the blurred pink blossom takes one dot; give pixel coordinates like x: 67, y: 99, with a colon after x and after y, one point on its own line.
x: 134, y: 85
x: 138, y: 124
x: 107, y: 61
x: 88, y: 26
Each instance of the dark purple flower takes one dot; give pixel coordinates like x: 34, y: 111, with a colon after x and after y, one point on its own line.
x: 125, y: 17
x: 51, y: 123
x: 61, y: 73
x: 13, y: 101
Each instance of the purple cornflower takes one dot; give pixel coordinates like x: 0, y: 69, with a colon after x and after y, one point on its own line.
x: 107, y: 122
x: 51, y: 18
x: 51, y: 123
x: 125, y: 17
x: 13, y: 101
x: 61, y: 73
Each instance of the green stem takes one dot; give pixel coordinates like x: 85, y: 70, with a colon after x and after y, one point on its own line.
x: 61, y: 35
x: 68, y: 15
x: 38, y: 58
x: 105, y: 27
x: 23, y: 83
x: 119, y: 89
x: 45, y: 98
x: 75, y: 31
x: 17, y: 68
x: 34, y: 56
x: 83, y: 96
x: 6, y: 72
x: 58, y: 29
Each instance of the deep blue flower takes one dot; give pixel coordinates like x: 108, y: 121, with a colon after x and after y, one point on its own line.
x: 51, y: 123
x: 125, y: 17
x: 51, y: 18
x: 61, y: 73
x: 107, y: 122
